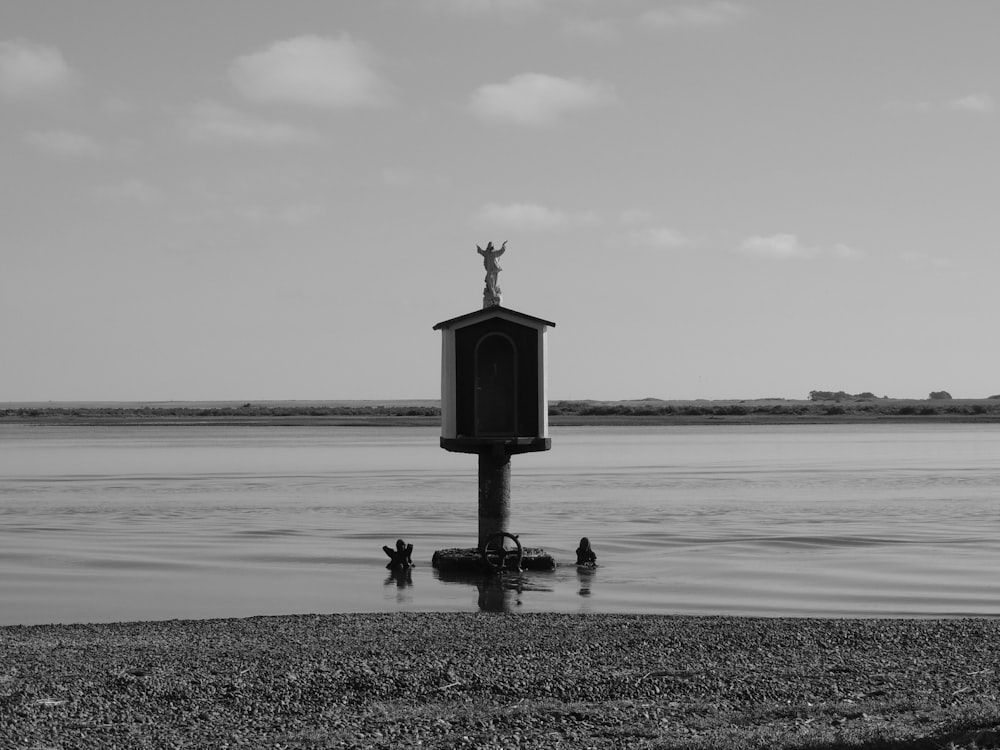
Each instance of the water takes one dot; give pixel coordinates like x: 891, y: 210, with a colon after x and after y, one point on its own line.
x: 191, y: 521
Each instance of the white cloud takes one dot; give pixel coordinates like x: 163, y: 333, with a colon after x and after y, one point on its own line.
x: 28, y: 69
x: 64, y: 143
x: 531, y: 217
x: 715, y: 13
x: 535, y: 99
x: 211, y: 122
x: 663, y: 237
x: 777, y: 246
x: 311, y: 70
x: 973, y: 103
x: 646, y: 232
x: 979, y: 103
x: 788, y: 246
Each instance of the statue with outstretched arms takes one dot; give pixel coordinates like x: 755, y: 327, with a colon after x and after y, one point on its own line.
x: 491, y: 292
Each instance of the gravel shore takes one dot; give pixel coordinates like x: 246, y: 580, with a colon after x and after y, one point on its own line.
x: 500, y: 681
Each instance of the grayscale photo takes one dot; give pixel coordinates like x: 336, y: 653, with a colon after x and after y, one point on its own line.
x: 583, y: 374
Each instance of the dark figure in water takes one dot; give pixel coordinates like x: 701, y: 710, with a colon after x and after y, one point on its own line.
x: 584, y: 554
x: 399, y: 558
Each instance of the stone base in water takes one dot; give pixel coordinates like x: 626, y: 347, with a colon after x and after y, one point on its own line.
x: 470, y: 561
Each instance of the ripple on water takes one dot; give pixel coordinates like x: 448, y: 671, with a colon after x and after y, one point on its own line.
x: 166, y: 523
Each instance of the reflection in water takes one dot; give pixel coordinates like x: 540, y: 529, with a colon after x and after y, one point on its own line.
x: 495, y: 593
x: 498, y: 593
x: 585, y: 575
x: 403, y: 578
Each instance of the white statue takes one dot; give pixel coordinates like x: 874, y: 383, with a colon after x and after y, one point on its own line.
x: 491, y: 293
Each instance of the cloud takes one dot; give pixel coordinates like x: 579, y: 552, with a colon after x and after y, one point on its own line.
x: 313, y: 71
x: 531, y: 217
x: 535, y: 99
x: 978, y: 103
x: 65, y: 144
x: 845, y: 251
x: 211, y: 122
x: 788, y: 246
x: 690, y: 16
x: 777, y: 246
x: 973, y: 103
x: 663, y: 237
x: 646, y: 232
x: 29, y: 70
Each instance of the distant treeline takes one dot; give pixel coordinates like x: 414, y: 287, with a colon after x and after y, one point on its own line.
x: 856, y: 406
x: 245, y: 411
x: 842, y: 395
x: 859, y: 406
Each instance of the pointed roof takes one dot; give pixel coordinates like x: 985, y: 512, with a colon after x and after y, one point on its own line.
x: 495, y: 311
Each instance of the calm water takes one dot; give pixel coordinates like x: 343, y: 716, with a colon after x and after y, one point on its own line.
x: 126, y: 523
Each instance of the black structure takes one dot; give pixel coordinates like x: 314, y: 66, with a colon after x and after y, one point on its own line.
x: 493, y: 382
x: 494, y: 403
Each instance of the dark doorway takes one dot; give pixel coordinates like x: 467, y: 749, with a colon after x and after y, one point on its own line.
x: 496, y: 387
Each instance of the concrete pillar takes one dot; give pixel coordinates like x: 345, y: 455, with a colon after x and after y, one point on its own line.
x: 494, y: 493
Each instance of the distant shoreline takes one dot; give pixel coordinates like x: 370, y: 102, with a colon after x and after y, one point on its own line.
x: 426, y: 412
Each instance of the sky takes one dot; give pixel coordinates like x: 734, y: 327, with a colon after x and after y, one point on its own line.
x: 247, y: 199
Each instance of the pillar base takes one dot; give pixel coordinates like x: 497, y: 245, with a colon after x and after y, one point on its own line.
x: 457, y: 560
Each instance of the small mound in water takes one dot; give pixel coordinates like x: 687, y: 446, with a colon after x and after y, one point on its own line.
x: 460, y: 560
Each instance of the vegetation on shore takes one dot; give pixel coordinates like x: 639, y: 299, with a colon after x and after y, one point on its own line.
x: 822, y: 406
x: 863, y: 407
x: 247, y: 412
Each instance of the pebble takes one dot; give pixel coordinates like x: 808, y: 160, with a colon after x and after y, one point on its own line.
x: 498, y: 680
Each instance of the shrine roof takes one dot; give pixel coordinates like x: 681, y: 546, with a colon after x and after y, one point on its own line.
x: 496, y: 311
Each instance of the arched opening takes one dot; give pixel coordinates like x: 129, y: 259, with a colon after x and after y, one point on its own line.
x: 496, y: 386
